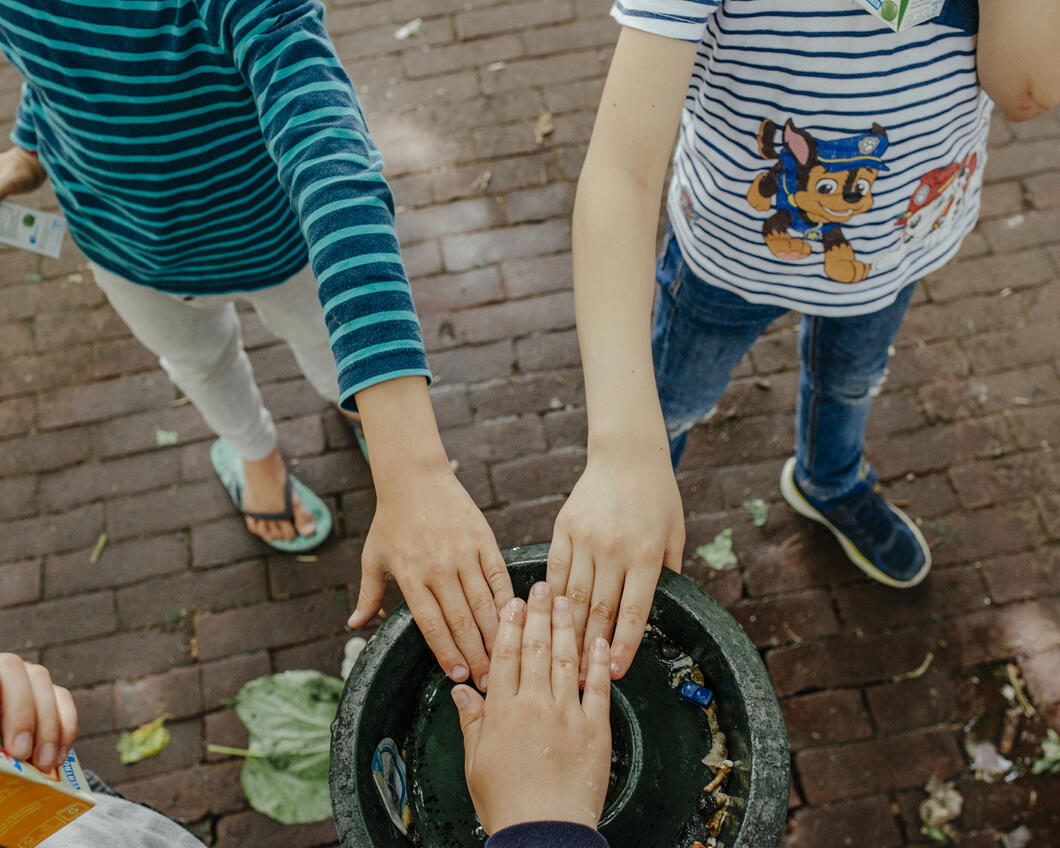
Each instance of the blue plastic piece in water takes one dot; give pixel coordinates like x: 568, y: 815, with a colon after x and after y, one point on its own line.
x: 694, y: 694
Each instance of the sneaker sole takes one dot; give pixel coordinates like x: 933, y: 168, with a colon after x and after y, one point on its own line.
x: 803, y: 507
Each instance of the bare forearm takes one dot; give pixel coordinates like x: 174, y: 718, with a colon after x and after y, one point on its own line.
x: 614, y: 250
x: 401, y: 431
x: 1017, y: 59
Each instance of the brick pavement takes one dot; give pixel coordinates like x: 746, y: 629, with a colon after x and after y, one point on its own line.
x: 184, y: 607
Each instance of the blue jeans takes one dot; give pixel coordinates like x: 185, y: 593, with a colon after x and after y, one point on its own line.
x: 700, y: 332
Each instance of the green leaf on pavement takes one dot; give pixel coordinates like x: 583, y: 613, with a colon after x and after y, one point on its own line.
x: 757, y: 511
x: 718, y: 554
x: 146, y: 741
x: 165, y: 438
x: 289, y: 719
x: 97, y: 551
x: 934, y: 834
x: 1050, y: 758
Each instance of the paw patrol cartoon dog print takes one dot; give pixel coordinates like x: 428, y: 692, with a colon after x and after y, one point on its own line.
x: 815, y: 187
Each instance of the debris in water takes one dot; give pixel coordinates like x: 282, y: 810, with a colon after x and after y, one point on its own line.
x: 388, y: 771
x: 413, y: 28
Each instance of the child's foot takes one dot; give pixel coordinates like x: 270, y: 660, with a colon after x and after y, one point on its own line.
x: 263, y: 491
x: 877, y: 537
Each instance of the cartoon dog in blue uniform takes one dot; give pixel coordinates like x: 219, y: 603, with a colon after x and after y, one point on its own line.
x: 816, y: 187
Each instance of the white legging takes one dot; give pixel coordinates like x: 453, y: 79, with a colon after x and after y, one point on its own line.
x: 198, y: 342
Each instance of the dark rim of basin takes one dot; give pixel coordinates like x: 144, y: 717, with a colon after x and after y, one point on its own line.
x: 376, y: 704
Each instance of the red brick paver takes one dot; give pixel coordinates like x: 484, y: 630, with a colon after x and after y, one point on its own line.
x: 184, y: 607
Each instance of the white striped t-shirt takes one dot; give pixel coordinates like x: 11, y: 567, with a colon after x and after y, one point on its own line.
x: 824, y: 161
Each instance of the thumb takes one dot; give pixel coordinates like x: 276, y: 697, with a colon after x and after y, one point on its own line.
x: 370, y: 596
x: 469, y: 704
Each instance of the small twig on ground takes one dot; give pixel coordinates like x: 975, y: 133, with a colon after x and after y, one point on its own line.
x: 1013, y: 672
x: 919, y: 671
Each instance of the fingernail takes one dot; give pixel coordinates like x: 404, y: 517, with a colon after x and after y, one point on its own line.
x: 515, y: 606
x: 562, y: 604
x: 459, y: 697
x: 46, y: 755
x: 458, y: 674
x: 541, y: 590
x: 482, y: 681
x: 23, y: 746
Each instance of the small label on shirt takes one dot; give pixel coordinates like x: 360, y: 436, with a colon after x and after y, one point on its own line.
x: 31, y: 229
x: 902, y: 14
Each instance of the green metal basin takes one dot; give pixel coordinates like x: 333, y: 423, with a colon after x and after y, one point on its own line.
x: 396, y: 690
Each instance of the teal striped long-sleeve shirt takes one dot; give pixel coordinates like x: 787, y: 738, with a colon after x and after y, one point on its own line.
x: 216, y: 146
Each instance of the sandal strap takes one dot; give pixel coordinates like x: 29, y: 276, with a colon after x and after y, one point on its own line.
x: 288, y: 511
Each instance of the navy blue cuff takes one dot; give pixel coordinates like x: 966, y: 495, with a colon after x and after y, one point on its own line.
x: 547, y: 834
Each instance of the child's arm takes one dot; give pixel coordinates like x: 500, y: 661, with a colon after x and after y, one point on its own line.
x: 427, y: 532
x: 1017, y: 55
x: 624, y: 519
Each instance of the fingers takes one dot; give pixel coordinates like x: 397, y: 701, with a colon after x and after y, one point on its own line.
x: 18, y: 710
x: 673, y: 558
x: 637, y: 596
x: 559, y: 556
x: 606, y: 593
x: 47, y: 736
x: 64, y: 701
x: 464, y: 629
x: 469, y: 705
x: 495, y: 570
x: 370, y: 596
x: 536, y: 674
x: 580, y: 588
x: 596, y: 702
x: 436, y: 633
x: 483, y: 609
x: 564, y: 653
x: 507, y: 652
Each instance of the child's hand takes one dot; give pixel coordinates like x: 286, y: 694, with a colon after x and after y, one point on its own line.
x: 532, y: 752
x: 39, y: 719
x: 20, y: 172
x: 437, y: 544
x: 622, y: 523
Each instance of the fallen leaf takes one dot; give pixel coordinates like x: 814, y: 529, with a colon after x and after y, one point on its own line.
x: 1018, y: 838
x: 757, y: 511
x: 481, y: 182
x: 935, y: 835
x: 147, y: 740
x: 496, y: 66
x: 165, y: 438
x: 544, y: 127
x: 719, y: 553
x: 97, y: 551
x: 1050, y: 758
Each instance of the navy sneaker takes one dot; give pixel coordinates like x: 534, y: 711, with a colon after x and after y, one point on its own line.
x: 877, y: 537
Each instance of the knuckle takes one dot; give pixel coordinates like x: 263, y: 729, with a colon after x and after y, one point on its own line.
x: 598, y: 689
x: 601, y: 612
x: 483, y: 607
x: 634, y: 613
x: 506, y: 652
x: 432, y: 628
x: 564, y: 664
x: 536, y: 646
x: 577, y: 596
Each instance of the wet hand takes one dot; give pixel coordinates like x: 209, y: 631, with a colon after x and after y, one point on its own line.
x: 437, y: 544
x: 621, y: 525
x: 532, y: 750
x: 38, y: 718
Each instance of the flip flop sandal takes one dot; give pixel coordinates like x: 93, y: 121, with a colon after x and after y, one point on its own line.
x: 229, y: 467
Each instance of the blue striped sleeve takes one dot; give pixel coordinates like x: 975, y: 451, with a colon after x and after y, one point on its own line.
x: 331, y: 172
x: 684, y: 20
x: 24, y: 134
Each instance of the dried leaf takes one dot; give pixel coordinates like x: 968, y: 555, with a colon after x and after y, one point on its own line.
x: 146, y: 741
x: 719, y: 553
x: 544, y: 127
x: 943, y: 804
x: 482, y: 182
x: 165, y: 438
